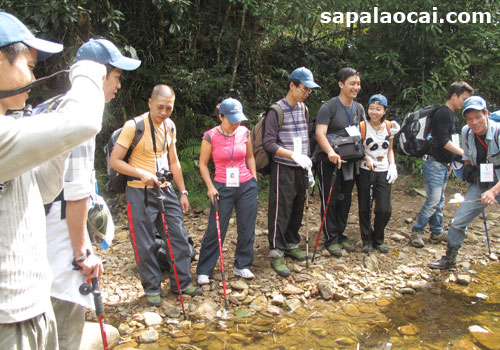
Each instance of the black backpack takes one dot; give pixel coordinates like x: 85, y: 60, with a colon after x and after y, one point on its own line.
x: 415, y: 134
x: 117, y: 181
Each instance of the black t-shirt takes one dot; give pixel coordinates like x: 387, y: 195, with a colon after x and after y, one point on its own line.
x: 442, y: 127
x: 337, y: 116
x: 481, y: 150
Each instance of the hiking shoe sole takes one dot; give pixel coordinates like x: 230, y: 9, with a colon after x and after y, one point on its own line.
x: 278, y: 265
x: 347, y: 247
x: 296, y: 254
x: 416, y: 240
x: 335, y: 250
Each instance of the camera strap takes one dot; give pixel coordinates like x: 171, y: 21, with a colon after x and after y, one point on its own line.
x: 153, y: 134
x: 9, y: 93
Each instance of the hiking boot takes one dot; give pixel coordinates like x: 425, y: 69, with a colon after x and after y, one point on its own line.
x: 192, y: 291
x: 154, y: 300
x: 203, y: 279
x: 279, y: 265
x: 383, y: 248
x: 416, y: 240
x: 245, y: 273
x: 296, y: 254
x: 367, y: 248
x: 437, y: 237
x: 347, y: 246
x: 447, y: 262
x: 335, y: 249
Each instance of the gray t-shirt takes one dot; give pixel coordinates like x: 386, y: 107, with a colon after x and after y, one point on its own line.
x: 337, y: 116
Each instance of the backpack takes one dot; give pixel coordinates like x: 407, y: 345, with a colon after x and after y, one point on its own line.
x: 362, y: 128
x: 263, y: 158
x: 415, y: 135
x: 117, y: 181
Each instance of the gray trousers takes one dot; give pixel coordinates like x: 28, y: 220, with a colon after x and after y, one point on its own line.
x: 244, y: 200
x: 143, y: 215
x: 37, y: 333
x: 70, y: 318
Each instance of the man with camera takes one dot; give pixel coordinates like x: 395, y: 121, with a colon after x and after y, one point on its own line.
x: 152, y: 165
x: 67, y: 237
x: 480, y: 143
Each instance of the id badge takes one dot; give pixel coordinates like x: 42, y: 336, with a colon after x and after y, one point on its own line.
x: 163, y: 163
x: 352, y: 131
x: 297, y: 144
x: 232, y: 177
x: 487, y: 172
x: 455, y: 139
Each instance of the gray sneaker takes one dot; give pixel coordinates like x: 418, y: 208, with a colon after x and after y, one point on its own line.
x: 437, y: 237
x: 416, y: 240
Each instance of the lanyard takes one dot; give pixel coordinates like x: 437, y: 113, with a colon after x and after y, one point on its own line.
x: 349, y: 114
x: 485, y: 146
x: 166, y: 137
x: 153, y: 131
x: 291, y: 112
x: 231, y: 153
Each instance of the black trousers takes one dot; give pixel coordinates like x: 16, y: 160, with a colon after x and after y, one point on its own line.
x: 382, y: 198
x: 340, y: 202
x: 287, y: 196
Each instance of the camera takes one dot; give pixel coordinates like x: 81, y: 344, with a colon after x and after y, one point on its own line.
x: 164, y: 175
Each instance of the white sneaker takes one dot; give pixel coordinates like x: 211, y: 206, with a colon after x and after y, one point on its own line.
x: 203, y: 279
x: 245, y: 273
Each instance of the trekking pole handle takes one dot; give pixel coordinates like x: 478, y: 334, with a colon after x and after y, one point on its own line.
x: 216, y: 202
x: 99, y: 309
x: 158, y: 196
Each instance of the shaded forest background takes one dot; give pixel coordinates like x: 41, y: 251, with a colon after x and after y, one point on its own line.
x: 210, y: 49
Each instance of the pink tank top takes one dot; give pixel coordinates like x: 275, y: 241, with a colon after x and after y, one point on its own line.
x: 229, y: 151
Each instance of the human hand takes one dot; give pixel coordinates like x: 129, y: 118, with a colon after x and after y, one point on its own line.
x: 302, y: 160
x: 91, y: 267
x: 90, y: 69
x: 488, y: 197
x: 369, y: 164
x: 184, y: 201
x: 212, y: 193
x: 395, y: 128
x: 149, y: 179
x: 392, y: 174
x: 335, y: 158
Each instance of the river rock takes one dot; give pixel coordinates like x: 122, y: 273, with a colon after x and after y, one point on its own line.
x: 465, y: 344
x: 125, y: 329
x: 206, y: 311
x: 464, y: 280
x: 92, y: 339
x: 409, y: 329
x: 148, y: 336
x: 325, y: 288
x: 351, y: 310
x: 486, y: 338
x: 416, y: 284
x: 290, y: 289
x: 152, y: 319
x: 278, y: 300
x: 293, y: 304
x: 409, y: 291
x: 371, y: 262
x: 397, y: 238
x: 239, y: 285
x: 481, y: 296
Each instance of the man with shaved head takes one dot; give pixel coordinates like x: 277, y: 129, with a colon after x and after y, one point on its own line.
x: 153, y: 163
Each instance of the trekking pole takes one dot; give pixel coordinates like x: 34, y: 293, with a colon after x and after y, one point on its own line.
x: 486, y: 229
x: 162, y: 213
x: 332, y: 183
x: 216, y: 205
x: 86, y: 289
x: 370, y: 229
x: 307, y: 225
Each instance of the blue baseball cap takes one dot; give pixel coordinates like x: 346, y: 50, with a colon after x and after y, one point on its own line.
x: 305, y: 76
x: 495, y: 116
x: 105, y: 52
x: 476, y: 103
x: 13, y: 30
x: 232, y: 110
x: 378, y: 99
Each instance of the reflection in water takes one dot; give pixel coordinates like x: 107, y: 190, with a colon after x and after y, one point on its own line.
x: 436, y: 318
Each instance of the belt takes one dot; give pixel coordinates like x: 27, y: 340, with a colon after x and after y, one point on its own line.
x: 429, y: 157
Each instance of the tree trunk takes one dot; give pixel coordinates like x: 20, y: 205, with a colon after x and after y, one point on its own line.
x: 219, y: 37
x: 237, y: 53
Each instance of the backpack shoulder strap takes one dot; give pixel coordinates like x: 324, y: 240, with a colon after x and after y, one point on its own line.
x: 139, y: 131
x: 388, y: 126
x: 279, y: 114
x: 362, y: 129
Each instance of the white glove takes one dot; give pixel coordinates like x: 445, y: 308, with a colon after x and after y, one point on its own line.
x: 302, y: 160
x: 94, y: 71
x: 392, y: 174
x: 310, y: 177
x: 394, y: 128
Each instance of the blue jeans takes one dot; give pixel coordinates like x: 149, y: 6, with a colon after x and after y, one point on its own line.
x: 467, y: 211
x: 435, y: 176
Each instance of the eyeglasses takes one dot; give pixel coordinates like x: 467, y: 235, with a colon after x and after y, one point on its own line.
x: 305, y: 90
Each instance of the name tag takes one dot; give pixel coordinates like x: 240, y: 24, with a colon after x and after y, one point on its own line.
x: 232, y: 177
x: 352, y: 131
x: 297, y: 144
x: 487, y: 172
x: 455, y: 139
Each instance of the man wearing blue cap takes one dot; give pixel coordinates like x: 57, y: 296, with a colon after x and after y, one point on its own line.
x: 28, y: 179
x: 67, y: 237
x: 289, y: 145
x: 480, y: 142
x: 435, y: 162
x: 152, y: 165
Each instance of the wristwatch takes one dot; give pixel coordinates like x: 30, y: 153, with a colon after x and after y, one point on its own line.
x: 185, y: 192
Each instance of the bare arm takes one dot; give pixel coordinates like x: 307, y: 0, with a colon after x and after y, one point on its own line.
x: 321, y: 130
x: 205, y: 153
x: 250, y: 160
x: 116, y: 162
x: 450, y: 146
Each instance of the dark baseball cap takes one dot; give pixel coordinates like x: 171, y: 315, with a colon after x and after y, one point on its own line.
x: 105, y: 52
x: 13, y: 30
